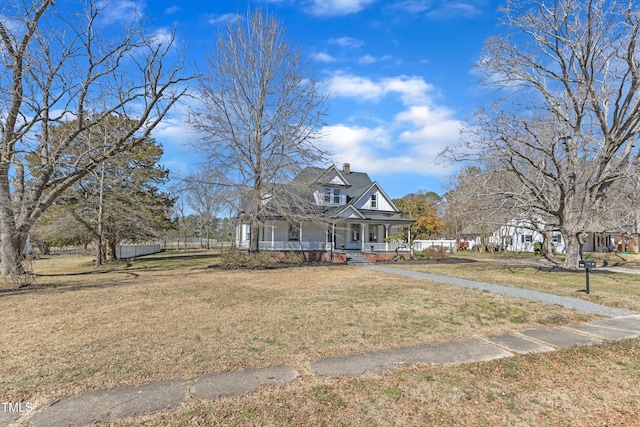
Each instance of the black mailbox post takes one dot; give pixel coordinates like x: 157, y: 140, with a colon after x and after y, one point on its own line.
x: 587, y: 264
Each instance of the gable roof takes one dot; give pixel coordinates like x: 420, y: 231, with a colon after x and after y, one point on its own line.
x: 342, y: 212
x: 381, y: 191
x: 356, y: 185
x: 328, y: 172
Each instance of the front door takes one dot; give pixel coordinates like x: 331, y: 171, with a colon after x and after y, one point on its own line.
x: 354, y: 237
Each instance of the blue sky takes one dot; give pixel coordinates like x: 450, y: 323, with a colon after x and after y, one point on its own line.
x: 399, y: 74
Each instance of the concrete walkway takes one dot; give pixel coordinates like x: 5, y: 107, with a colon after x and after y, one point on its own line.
x: 124, y: 402
x: 567, y: 302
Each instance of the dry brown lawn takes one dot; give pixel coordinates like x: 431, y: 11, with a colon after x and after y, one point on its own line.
x: 581, y: 386
x: 175, y: 317
x: 612, y: 289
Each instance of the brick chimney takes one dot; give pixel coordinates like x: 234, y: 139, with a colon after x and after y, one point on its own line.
x: 346, y: 168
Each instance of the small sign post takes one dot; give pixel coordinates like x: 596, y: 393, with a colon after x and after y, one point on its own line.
x: 587, y: 264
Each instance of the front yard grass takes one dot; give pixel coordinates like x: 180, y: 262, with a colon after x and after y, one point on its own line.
x: 174, y: 316
x: 580, y: 386
x: 620, y: 290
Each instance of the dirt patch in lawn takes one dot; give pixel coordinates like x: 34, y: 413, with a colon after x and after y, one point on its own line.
x: 149, y: 319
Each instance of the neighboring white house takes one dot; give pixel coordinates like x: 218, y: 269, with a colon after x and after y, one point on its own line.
x: 353, y: 212
x: 520, y: 235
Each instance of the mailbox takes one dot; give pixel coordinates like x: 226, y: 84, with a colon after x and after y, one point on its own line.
x: 587, y: 263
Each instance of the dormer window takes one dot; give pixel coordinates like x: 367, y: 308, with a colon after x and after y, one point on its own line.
x: 374, y: 201
x: 327, y: 196
x: 331, y: 196
x: 336, y: 196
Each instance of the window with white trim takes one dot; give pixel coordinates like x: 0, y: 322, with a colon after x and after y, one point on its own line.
x: 355, y: 232
x: 294, y: 232
x: 374, y: 201
x: 526, y: 238
x: 326, y: 195
x: 336, y: 196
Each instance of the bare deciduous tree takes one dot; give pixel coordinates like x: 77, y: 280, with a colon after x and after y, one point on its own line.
x: 206, y: 192
x: 60, y: 64
x: 260, y: 115
x: 565, y: 129
x: 472, y: 209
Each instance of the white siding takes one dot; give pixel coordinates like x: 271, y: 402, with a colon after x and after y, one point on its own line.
x: 333, y: 178
x: 382, y: 203
x: 520, y: 238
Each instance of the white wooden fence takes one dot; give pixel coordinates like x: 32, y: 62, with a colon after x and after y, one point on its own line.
x: 131, y: 251
x: 447, y: 245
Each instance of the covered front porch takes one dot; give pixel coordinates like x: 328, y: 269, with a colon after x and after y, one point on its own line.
x: 368, y: 236
x: 339, y: 236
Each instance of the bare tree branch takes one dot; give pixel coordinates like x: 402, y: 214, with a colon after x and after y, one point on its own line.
x: 568, y: 116
x: 62, y: 65
x: 261, y: 111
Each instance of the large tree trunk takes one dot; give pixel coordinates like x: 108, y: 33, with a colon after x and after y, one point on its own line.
x: 254, y: 239
x: 111, y: 253
x: 11, y: 251
x: 11, y: 239
x: 547, y: 242
x: 573, y: 247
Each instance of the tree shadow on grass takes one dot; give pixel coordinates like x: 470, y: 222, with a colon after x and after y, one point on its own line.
x: 41, y: 288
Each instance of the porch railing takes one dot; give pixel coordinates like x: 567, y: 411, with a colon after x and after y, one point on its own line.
x: 266, y: 245
x: 385, y: 247
x: 294, y: 246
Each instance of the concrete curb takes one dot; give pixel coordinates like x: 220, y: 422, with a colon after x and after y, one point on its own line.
x: 99, y: 406
x: 237, y: 383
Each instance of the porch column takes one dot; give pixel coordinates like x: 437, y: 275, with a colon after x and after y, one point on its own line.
x: 273, y: 228
x: 333, y: 236
x: 361, y: 237
x: 300, y: 234
x: 386, y: 236
x: 326, y: 239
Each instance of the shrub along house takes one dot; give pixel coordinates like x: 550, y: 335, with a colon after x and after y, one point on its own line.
x: 348, y: 214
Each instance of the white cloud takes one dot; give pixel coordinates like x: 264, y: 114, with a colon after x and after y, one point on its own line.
x: 436, y: 127
x: 221, y: 19
x: 410, y: 143
x: 122, y: 10
x: 367, y: 59
x: 323, y: 57
x: 354, y: 87
x: 355, y: 144
x: 172, y: 9
x: 174, y: 130
x: 411, y: 89
x: 12, y: 25
x: 162, y: 36
x: 361, y: 147
x: 413, y: 6
x: 336, y: 7
x: 455, y: 9
x: 347, y: 42
x: 441, y: 9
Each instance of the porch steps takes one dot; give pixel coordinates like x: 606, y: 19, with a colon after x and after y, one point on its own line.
x: 357, y: 258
